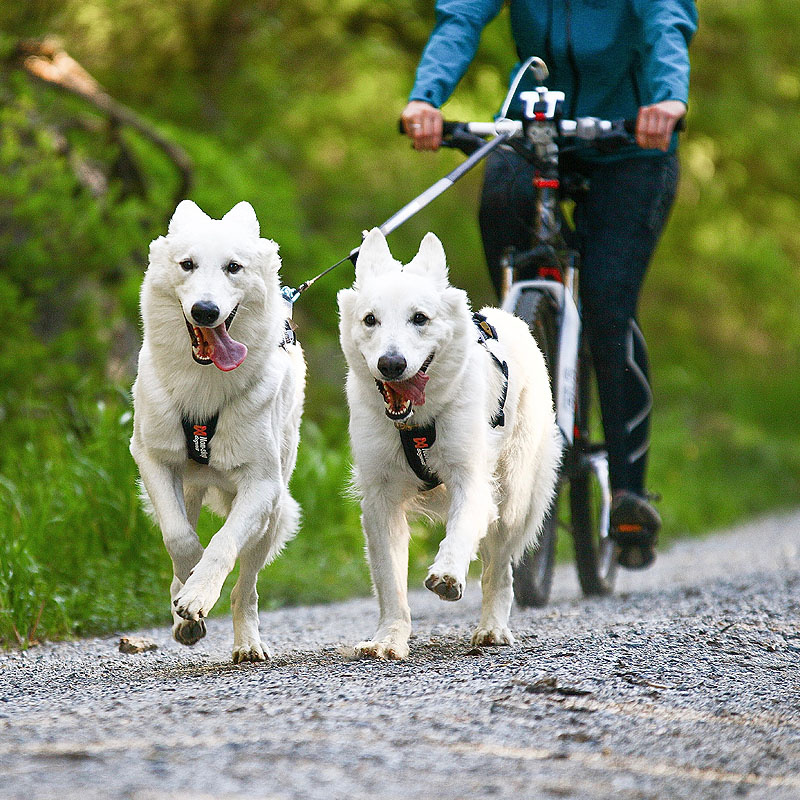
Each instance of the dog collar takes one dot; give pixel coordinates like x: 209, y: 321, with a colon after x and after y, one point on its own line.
x: 289, y: 336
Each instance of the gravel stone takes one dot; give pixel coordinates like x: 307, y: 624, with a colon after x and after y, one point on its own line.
x: 685, y: 684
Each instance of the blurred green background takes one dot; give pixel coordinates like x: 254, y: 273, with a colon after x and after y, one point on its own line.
x: 293, y: 106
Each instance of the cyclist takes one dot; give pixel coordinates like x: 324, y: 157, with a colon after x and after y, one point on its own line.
x: 613, y: 59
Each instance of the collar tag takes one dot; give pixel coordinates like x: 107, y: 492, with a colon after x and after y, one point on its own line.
x: 198, y: 438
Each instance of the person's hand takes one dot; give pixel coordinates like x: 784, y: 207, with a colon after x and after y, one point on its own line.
x: 655, y: 124
x: 423, y: 123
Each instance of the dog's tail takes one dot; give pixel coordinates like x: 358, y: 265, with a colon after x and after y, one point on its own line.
x: 544, y: 479
x: 286, y: 523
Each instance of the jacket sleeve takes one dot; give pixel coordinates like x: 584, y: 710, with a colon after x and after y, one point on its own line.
x: 668, y: 28
x: 451, y: 47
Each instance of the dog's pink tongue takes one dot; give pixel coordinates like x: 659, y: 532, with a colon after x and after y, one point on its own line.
x: 227, y: 353
x: 412, y: 389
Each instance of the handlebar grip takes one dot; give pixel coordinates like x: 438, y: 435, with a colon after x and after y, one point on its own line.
x: 630, y: 125
x: 448, y: 128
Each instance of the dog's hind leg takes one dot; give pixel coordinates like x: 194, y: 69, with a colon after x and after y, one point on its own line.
x: 387, y: 534
x: 497, y: 588
x: 247, y: 644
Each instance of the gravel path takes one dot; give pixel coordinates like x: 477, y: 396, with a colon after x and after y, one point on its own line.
x: 686, y: 684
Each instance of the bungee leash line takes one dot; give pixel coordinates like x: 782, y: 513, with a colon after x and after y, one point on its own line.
x: 291, y: 295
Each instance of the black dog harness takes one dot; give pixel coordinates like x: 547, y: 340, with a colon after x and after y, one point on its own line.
x: 418, y: 439
x: 198, y: 433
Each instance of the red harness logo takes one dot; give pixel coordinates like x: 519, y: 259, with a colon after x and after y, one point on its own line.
x: 201, y: 440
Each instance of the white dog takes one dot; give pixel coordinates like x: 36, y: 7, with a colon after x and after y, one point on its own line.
x: 436, y: 393
x: 225, y: 434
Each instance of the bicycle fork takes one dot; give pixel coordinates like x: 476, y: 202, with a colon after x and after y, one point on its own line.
x: 593, y: 460
x: 569, y: 335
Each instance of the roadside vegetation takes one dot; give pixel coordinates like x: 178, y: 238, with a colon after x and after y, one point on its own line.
x: 293, y: 107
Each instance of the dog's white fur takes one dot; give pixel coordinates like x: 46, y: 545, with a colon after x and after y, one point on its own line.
x: 260, y: 402
x: 497, y: 483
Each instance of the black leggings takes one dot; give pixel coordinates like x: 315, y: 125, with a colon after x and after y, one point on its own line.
x: 618, y: 225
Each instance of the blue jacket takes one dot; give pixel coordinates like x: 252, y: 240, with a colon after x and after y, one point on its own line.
x: 609, y: 57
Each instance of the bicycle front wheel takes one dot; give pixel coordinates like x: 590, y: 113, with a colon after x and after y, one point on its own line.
x: 590, y: 493
x: 533, y: 574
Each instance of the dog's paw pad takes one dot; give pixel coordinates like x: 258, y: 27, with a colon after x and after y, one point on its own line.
x: 497, y: 636
x: 446, y: 586
x: 389, y: 651
x: 189, y: 632
x: 251, y: 653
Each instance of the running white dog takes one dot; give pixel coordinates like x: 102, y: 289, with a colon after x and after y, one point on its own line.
x: 225, y: 434
x: 496, y: 449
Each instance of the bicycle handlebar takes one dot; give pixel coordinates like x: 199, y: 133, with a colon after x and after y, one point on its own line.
x: 469, y: 136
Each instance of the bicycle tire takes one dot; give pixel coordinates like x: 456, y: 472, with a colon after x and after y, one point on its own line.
x: 533, y: 573
x: 595, y: 553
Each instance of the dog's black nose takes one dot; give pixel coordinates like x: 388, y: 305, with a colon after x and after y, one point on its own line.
x: 205, y: 313
x: 392, y: 366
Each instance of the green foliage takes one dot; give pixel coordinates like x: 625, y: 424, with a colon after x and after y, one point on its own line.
x: 292, y: 106
x: 78, y: 555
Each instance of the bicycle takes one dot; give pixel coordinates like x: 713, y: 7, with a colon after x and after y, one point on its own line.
x: 540, y: 285
x: 549, y: 303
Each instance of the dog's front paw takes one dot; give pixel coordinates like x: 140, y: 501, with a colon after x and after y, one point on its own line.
x: 189, y: 631
x: 446, y: 586
x: 386, y: 649
x: 251, y: 651
x: 195, y: 600
x: 494, y: 636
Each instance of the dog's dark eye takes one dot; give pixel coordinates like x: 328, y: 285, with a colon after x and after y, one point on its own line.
x: 187, y: 265
x: 419, y: 318
x: 370, y: 321
x: 233, y: 267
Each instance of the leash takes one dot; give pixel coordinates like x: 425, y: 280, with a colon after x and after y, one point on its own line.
x: 291, y: 295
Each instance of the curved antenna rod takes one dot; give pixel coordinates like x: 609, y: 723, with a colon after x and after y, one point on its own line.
x: 540, y: 73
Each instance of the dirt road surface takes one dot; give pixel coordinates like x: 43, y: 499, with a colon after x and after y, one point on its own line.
x: 685, y: 684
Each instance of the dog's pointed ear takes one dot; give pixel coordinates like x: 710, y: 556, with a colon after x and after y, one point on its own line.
x: 268, y: 252
x: 345, y: 299
x: 243, y: 216
x: 158, y: 249
x: 430, y: 260
x: 374, y: 256
x: 187, y: 213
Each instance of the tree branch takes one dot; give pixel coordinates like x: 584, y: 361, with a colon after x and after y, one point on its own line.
x: 48, y: 62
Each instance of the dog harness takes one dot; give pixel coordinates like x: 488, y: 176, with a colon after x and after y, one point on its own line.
x: 198, y: 437
x: 198, y: 433
x: 418, y: 439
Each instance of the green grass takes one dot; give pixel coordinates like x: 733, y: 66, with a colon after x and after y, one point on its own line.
x: 78, y: 555
x: 319, y: 158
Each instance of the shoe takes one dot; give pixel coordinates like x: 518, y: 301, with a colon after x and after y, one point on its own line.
x: 634, y: 527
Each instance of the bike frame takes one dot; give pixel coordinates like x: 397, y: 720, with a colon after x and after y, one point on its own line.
x: 569, y: 335
x: 541, y: 129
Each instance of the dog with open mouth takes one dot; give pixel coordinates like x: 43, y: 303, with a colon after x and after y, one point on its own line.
x: 451, y: 415
x: 217, y: 406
